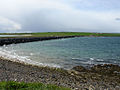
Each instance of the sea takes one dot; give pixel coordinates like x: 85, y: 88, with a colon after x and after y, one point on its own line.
x: 66, y: 53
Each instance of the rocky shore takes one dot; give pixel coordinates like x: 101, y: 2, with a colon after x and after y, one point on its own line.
x: 98, y: 77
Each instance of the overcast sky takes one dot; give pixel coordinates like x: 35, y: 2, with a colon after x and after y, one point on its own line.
x: 60, y: 15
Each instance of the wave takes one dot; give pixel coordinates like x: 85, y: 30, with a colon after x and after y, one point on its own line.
x: 12, y: 56
x: 94, y: 61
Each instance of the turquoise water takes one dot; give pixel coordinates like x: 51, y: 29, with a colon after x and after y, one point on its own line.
x: 66, y: 53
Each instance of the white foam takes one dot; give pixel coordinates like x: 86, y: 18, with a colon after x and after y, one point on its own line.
x: 12, y: 56
x: 100, y: 60
x: 75, y: 58
x: 92, y: 59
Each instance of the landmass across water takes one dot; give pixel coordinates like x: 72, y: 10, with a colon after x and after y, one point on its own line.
x: 14, y: 38
x: 55, y: 34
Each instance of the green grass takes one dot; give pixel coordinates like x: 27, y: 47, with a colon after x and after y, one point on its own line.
x: 50, y: 34
x: 74, y: 34
x: 10, y: 85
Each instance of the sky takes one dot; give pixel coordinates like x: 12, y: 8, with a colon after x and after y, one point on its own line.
x: 18, y: 16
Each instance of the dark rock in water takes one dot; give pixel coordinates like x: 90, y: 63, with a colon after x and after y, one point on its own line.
x: 79, y: 68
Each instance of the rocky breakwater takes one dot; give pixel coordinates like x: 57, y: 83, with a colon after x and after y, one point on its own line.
x: 6, y: 41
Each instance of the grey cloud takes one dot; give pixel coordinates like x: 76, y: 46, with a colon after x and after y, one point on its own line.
x: 9, y: 25
x: 118, y: 19
x: 52, y: 15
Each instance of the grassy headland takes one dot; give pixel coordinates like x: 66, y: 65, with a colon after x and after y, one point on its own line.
x: 32, y: 37
x: 52, y: 34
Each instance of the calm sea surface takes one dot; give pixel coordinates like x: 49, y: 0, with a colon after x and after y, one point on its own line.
x: 66, y: 53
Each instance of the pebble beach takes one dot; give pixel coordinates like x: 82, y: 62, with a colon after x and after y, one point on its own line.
x: 98, y: 77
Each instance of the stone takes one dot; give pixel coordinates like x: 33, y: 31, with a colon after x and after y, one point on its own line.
x: 79, y: 68
x: 91, y: 87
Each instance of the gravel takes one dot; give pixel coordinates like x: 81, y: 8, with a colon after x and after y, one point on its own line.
x: 80, y: 79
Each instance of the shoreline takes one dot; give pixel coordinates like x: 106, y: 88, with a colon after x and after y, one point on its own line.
x: 79, y: 78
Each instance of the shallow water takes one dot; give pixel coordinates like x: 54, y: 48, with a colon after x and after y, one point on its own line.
x: 9, y: 35
x: 66, y: 53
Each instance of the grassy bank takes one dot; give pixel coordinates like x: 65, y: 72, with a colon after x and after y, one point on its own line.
x: 28, y: 86
x: 74, y: 34
x: 49, y: 34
